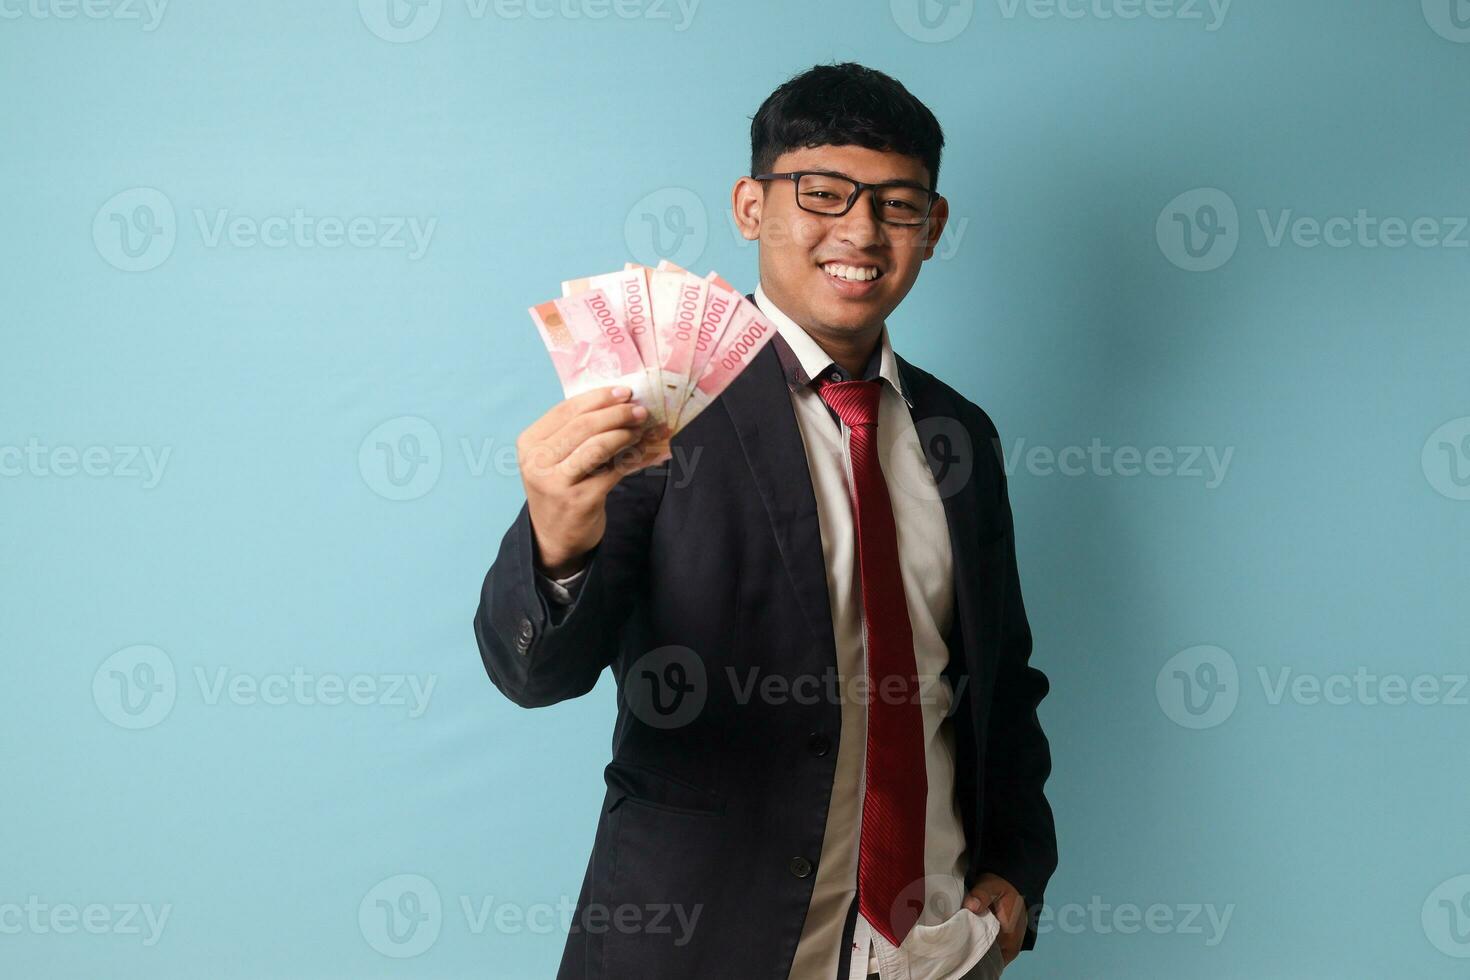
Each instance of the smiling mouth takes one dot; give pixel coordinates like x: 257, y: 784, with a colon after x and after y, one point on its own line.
x: 852, y: 273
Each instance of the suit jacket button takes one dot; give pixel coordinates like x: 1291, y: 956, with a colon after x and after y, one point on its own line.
x: 818, y: 744
x: 800, y: 867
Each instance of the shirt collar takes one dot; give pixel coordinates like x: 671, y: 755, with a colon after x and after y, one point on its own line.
x: 803, y: 359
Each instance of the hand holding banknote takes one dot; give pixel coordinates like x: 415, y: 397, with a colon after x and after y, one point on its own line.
x: 570, y: 459
x: 640, y: 353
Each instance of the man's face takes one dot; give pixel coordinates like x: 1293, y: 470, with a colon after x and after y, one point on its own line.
x: 807, y: 260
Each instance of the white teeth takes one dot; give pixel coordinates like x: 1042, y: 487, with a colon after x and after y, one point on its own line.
x: 851, y: 273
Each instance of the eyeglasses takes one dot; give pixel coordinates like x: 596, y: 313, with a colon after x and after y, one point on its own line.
x: 823, y: 192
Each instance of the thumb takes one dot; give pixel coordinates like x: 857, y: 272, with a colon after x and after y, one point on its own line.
x: 979, y: 899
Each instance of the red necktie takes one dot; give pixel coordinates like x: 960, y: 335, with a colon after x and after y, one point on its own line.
x: 891, y: 846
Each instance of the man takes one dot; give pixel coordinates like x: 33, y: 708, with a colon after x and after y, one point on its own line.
x: 827, y: 761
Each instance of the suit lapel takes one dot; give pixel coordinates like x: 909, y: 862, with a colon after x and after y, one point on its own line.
x: 951, y: 452
x: 759, y: 405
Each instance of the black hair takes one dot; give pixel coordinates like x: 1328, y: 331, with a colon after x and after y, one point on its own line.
x: 844, y: 105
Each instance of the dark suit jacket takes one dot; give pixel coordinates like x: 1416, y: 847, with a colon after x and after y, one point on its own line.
x: 711, y: 574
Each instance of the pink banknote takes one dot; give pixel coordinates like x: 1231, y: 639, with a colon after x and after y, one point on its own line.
x: 591, y: 348
x: 627, y: 291
x: 747, y: 332
x: 678, y: 306
x: 675, y: 339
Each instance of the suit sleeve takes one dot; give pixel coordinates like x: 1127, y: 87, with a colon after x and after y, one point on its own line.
x: 1019, y: 834
x: 538, y: 653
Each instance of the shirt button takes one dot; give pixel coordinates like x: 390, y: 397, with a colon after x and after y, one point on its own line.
x: 818, y: 744
x: 835, y: 376
x: 800, y: 867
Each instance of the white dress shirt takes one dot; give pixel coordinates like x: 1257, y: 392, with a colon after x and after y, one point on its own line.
x: 948, y: 939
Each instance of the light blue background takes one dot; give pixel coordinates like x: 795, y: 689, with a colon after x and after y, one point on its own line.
x: 1335, y: 542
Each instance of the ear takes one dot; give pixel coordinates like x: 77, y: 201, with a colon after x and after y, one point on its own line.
x: 938, y: 218
x: 746, y: 200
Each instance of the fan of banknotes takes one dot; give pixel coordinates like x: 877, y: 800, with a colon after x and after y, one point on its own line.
x: 674, y: 338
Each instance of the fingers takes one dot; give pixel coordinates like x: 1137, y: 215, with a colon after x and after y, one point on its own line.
x: 548, y: 441
x: 595, y: 451
x: 998, y: 895
x: 980, y: 899
x: 565, y: 410
x: 1013, y: 926
x: 582, y: 427
x: 649, y: 451
x: 1010, y: 945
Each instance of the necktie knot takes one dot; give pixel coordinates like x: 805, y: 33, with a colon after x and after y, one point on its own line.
x: 855, y: 402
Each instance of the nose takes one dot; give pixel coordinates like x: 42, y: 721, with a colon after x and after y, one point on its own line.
x: 860, y: 226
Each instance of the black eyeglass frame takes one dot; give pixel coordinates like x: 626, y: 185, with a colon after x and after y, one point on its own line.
x: 859, y: 186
